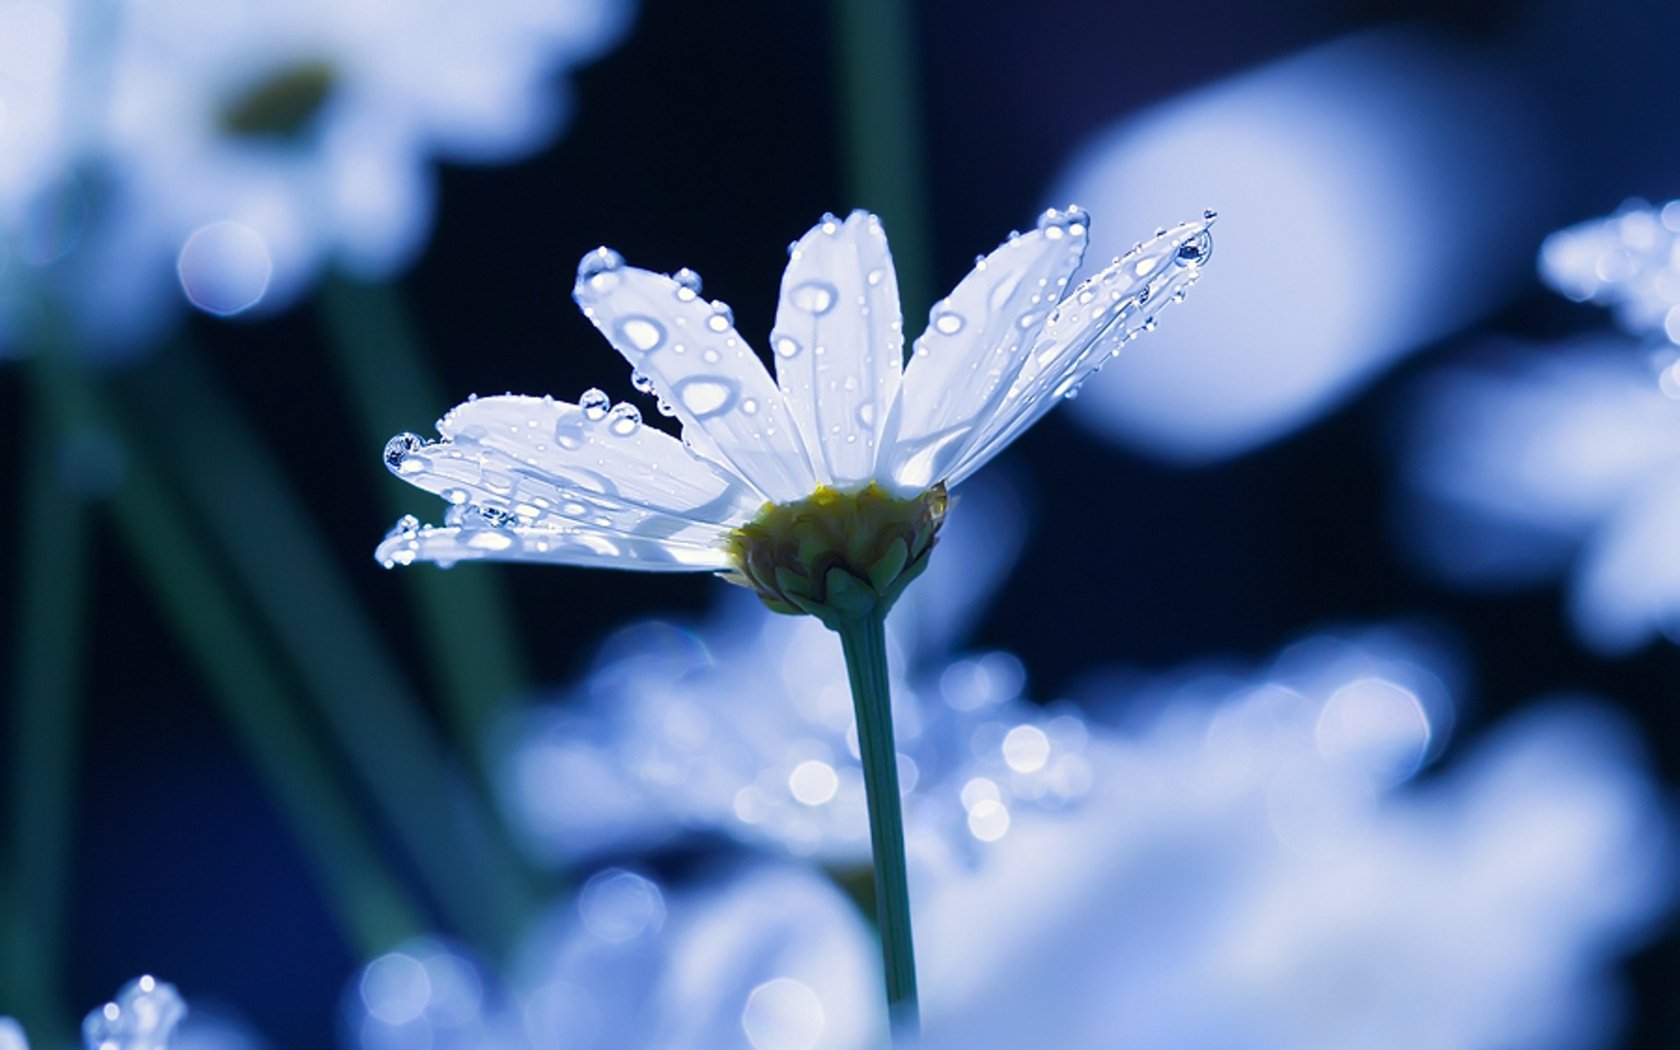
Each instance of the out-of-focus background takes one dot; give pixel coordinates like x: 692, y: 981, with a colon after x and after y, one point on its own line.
x: 1322, y: 687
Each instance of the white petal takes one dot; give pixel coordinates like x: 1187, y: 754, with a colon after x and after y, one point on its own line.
x: 548, y: 466
x: 839, y: 344
x: 1089, y: 327
x: 730, y: 407
x: 1627, y: 586
x: 474, y: 539
x: 973, y: 347
x: 604, y: 455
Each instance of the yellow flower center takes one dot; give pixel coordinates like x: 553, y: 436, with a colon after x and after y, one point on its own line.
x: 837, y: 555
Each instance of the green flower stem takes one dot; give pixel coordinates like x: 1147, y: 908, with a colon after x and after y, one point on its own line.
x: 52, y: 589
x: 882, y: 127
x: 371, y: 905
x: 864, y: 639
x: 360, y: 694
x: 473, y: 642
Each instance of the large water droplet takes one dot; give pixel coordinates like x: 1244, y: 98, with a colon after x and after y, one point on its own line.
x: 398, y: 448
x: 688, y: 280
x: 641, y: 381
x: 624, y: 419
x: 602, y: 260
x: 705, y: 396
x: 1196, y: 251
x: 594, y: 403
x: 948, y: 322
x: 643, y: 333
x: 814, y: 297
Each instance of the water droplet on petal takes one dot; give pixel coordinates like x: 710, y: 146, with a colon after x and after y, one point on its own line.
x: 814, y: 297
x: 1196, y: 251
x: 643, y: 333
x: 601, y: 261
x: 641, y: 381
x: 625, y: 418
x: 749, y: 407
x: 787, y: 346
x: 594, y: 403
x: 705, y: 396
x: 948, y: 322
x: 875, y: 277
x: 688, y: 279
x: 665, y: 407
x: 399, y: 447
x: 866, y: 413
x: 495, y: 517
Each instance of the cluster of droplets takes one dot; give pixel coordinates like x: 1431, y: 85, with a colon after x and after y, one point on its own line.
x: 141, y: 1017
x: 1628, y: 262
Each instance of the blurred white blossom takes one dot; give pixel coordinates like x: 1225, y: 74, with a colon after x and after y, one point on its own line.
x: 1343, y: 171
x: 240, y: 147
x: 1565, y: 460
x: 1628, y: 262
x: 1257, y: 866
x: 770, y: 956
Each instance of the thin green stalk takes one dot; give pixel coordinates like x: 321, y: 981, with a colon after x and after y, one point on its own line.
x: 371, y: 905
x: 882, y: 127
x: 472, y: 639
x: 229, y: 477
x: 53, y: 603
x: 864, y: 640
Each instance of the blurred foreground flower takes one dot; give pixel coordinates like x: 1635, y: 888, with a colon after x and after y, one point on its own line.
x: 146, y: 1015
x: 823, y: 489
x: 1252, y: 868
x: 240, y: 147
x: 1628, y: 262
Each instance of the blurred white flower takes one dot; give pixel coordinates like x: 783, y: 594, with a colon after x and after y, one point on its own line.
x: 744, y: 727
x: 1558, y: 461
x: 1256, y: 867
x: 1253, y: 871
x: 1342, y: 171
x: 768, y: 956
x: 1626, y: 262
x: 239, y: 147
x: 535, y: 479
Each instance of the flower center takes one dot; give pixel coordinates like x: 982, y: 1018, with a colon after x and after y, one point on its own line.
x: 837, y: 555
x: 282, y: 104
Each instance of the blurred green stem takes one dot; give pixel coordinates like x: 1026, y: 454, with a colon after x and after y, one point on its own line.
x: 371, y: 905
x: 53, y: 600
x: 439, y: 816
x: 882, y: 127
x: 473, y: 641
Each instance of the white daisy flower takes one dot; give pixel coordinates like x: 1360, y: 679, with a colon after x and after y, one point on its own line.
x: 841, y: 461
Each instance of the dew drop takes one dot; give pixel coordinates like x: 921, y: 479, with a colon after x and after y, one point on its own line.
x: 624, y: 419
x: 1029, y: 320
x: 711, y: 356
x: 814, y: 297
x: 875, y: 277
x: 705, y: 396
x: 687, y: 279
x: 948, y: 322
x: 665, y: 407
x: 495, y: 517
x: 787, y: 346
x: 641, y: 381
x: 595, y: 403
x: 643, y: 333
x: 866, y: 413
x: 599, y: 270
x: 399, y: 447
x: 718, y: 323
x: 749, y: 407
x: 1196, y: 251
